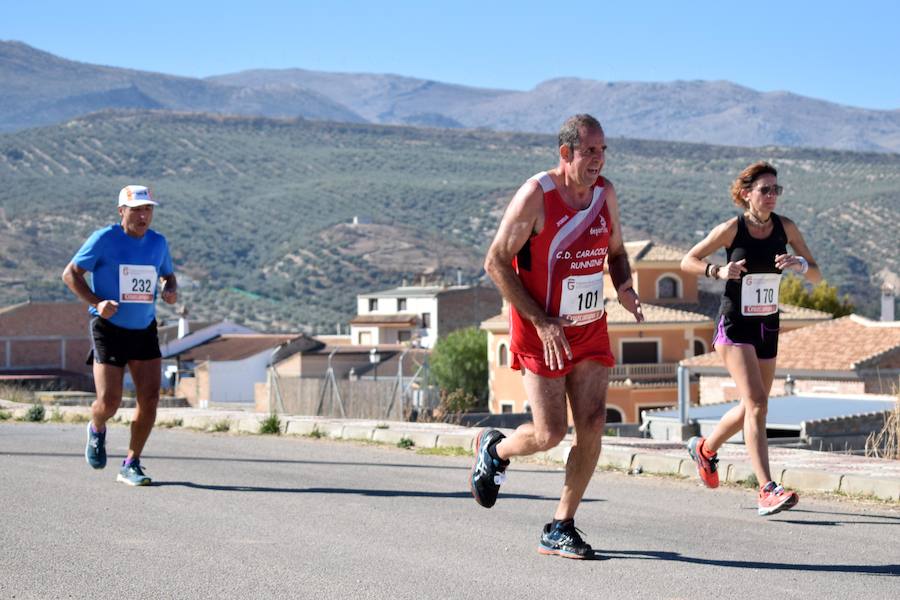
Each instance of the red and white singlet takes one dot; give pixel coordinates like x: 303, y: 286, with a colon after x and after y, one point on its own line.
x: 562, y: 269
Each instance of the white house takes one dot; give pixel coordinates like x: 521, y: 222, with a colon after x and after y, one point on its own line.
x: 419, y: 314
x: 227, y: 368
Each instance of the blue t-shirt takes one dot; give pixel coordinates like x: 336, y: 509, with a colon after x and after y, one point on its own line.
x: 113, y: 257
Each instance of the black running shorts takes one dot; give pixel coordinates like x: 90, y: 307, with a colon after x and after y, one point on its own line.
x: 114, y: 345
x: 760, y: 332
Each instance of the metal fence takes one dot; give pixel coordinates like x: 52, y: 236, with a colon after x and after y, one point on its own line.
x: 391, y: 399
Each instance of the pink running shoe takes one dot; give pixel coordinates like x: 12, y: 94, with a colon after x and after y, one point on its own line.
x: 774, y: 499
x: 707, y: 468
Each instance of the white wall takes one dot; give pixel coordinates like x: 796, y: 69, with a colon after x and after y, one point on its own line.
x: 232, y: 380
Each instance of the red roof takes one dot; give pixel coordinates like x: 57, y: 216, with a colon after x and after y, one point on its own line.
x: 843, y: 344
x: 238, y: 346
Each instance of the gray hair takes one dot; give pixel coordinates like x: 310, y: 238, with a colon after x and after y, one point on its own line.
x: 570, y: 132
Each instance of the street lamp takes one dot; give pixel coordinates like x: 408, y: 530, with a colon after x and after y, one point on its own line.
x: 375, y: 358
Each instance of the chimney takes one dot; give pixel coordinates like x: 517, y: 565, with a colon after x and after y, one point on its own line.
x: 184, y: 327
x: 887, y: 302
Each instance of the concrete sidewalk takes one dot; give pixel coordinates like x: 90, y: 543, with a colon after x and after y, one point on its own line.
x: 802, y: 470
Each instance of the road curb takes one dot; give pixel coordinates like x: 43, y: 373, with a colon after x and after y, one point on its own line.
x: 623, y: 456
x: 811, y: 479
x: 886, y: 489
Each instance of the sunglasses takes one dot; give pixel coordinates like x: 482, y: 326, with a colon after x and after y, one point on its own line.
x: 765, y: 190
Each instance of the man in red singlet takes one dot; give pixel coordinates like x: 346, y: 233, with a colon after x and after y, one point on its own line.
x: 547, y: 259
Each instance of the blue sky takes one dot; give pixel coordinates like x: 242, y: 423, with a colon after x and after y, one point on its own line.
x: 845, y: 52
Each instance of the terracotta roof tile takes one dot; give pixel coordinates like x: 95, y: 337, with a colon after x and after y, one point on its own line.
x: 650, y: 251
x: 842, y: 344
x: 240, y: 346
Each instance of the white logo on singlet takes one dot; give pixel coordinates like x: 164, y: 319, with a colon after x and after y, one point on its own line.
x: 602, y: 228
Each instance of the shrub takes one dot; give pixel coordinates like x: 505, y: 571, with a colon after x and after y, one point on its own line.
x: 271, y: 425
x: 4, y: 415
x: 459, y: 362
x: 405, y: 443
x: 35, y: 413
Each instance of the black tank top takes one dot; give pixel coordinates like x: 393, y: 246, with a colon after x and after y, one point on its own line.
x: 760, y: 255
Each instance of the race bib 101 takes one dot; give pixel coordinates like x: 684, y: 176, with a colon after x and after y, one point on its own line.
x: 759, y: 294
x: 582, y: 298
x: 137, y: 283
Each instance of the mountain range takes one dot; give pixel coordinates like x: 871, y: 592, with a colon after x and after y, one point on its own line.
x: 38, y: 88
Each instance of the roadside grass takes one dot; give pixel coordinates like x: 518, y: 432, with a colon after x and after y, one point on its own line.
x: 271, y: 425
x: 221, y: 426
x: 170, y: 423
x: 444, y: 451
x: 56, y: 415
x: 5, y: 415
x: 316, y: 434
x: 15, y: 393
x: 886, y: 442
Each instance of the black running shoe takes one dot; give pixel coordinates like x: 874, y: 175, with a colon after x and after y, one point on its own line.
x: 564, y: 540
x: 488, y: 472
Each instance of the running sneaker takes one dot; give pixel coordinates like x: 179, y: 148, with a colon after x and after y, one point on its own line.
x: 774, y: 499
x: 564, y: 540
x: 133, y: 474
x: 95, y: 450
x: 707, y: 468
x: 488, y: 473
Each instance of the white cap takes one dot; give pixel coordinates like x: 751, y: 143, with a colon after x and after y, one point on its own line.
x: 135, y: 195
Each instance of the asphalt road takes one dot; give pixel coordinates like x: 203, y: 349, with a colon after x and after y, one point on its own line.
x: 235, y: 516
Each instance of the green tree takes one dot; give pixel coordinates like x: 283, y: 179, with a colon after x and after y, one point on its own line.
x: 822, y: 297
x: 459, y: 362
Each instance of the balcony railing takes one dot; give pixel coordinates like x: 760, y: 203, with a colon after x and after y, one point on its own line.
x: 643, y: 371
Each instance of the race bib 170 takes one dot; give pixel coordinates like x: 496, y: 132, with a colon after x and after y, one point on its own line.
x: 759, y: 294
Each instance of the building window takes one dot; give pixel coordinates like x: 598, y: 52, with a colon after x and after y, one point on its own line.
x: 401, y: 304
x: 364, y: 338
x: 527, y: 408
x: 613, y: 415
x: 699, y: 347
x: 640, y: 352
x: 506, y: 407
x: 373, y: 304
x: 426, y: 320
x: 502, y: 356
x: 667, y: 287
x: 404, y: 336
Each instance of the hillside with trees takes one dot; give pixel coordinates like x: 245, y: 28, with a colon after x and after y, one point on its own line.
x: 260, y: 212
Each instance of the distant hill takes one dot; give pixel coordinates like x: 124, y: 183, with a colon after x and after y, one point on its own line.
x: 260, y: 211
x: 37, y: 88
x: 717, y: 112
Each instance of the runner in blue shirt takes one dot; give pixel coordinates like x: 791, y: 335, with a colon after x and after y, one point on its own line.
x: 126, y: 261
